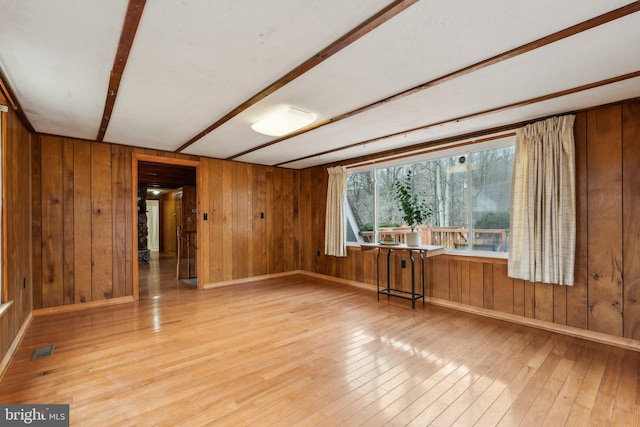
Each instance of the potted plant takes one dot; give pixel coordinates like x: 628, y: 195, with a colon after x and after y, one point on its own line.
x: 414, y: 208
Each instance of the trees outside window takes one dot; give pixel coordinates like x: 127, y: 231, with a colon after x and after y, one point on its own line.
x: 469, y: 192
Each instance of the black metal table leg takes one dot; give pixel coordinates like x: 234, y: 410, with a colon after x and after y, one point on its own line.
x: 413, y: 282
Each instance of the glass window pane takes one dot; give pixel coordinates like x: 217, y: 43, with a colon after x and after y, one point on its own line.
x: 444, y: 182
x: 491, y: 173
x: 360, y: 207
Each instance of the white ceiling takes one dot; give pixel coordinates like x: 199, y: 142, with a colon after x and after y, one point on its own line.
x: 192, y: 62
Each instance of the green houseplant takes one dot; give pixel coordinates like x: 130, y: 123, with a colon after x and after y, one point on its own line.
x: 413, y: 207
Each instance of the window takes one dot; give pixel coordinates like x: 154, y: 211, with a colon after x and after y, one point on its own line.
x: 468, y: 189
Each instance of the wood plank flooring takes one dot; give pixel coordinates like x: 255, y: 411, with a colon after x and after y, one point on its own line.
x: 303, y: 351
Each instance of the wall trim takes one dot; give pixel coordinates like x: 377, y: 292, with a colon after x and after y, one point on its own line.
x: 599, y: 337
x: 15, y: 344
x: 250, y: 279
x: 84, y: 306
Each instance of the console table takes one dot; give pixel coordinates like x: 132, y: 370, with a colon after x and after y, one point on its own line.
x: 424, y: 251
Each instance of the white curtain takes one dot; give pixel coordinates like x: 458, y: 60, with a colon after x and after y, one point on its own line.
x: 335, y: 242
x: 542, y: 239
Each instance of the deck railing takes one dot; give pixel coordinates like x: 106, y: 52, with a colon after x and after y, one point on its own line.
x: 449, y: 237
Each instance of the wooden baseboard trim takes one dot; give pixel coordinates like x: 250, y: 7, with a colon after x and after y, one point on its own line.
x: 339, y: 280
x: 626, y: 343
x: 249, y: 279
x: 84, y: 306
x: 15, y: 344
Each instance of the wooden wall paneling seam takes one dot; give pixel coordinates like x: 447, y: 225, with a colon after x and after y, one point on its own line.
x: 68, y: 278
x: 278, y: 222
x: 476, y: 283
x: 102, y: 223
x: 577, y: 295
x: 631, y: 213
x: 488, y: 290
x: 543, y: 301
x: 204, y: 249
x: 36, y: 221
x: 52, y: 223
x: 228, y: 270
x: 259, y: 218
x: 82, y: 219
x: 120, y: 198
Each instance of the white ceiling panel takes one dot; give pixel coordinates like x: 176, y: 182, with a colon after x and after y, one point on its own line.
x: 57, y: 57
x: 194, y: 61
x: 429, y: 40
x: 519, y: 79
x: 577, y: 101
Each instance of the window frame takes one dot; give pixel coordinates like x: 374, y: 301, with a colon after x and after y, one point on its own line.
x: 449, y: 150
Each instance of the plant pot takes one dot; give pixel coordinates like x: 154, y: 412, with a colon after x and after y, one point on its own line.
x: 413, y: 238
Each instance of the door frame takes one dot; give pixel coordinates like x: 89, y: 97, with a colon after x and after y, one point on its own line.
x: 137, y: 157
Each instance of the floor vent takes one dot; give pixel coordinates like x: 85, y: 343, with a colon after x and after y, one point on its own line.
x: 41, y: 352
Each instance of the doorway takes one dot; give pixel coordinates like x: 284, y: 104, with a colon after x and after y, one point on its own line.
x: 166, y: 223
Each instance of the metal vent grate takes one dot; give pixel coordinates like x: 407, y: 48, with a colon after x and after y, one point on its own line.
x: 41, y: 352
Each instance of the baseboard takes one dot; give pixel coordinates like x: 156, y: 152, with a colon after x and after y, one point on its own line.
x: 626, y: 343
x: 343, y: 281
x: 83, y: 306
x: 250, y: 279
x: 8, y: 357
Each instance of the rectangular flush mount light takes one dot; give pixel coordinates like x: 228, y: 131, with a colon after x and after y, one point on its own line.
x: 284, y: 120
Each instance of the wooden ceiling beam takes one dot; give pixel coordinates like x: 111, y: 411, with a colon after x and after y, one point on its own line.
x: 361, y: 30
x: 128, y: 34
x: 472, y: 116
x: 525, y: 48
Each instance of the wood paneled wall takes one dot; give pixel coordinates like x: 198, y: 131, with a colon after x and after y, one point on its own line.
x: 606, y: 296
x: 253, y: 225
x: 81, y: 215
x: 16, y: 234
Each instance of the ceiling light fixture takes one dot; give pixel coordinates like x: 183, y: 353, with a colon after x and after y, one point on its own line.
x: 283, y: 120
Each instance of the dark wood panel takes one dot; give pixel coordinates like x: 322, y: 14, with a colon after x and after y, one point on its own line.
x: 543, y: 304
x: 258, y: 202
x: 36, y: 218
x: 122, y: 211
x: 52, y: 223
x: 217, y: 220
x: 276, y: 262
x: 577, y: 311
x: 17, y: 240
x: 560, y: 304
x: 226, y: 208
x: 476, y: 284
x: 68, y: 283
x: 440, y: 274
x: 465, y: 282
x: 604, y: 149
x: 503, y: 290
x: 487, y: 280
x: 631, y: 215
x: 82, y: 220
x: 101, y: 223
x: 455, y: 281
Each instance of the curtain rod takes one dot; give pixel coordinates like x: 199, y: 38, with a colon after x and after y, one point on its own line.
x: 430, y: 150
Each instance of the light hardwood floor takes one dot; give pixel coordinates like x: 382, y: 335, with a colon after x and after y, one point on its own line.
x: 303, y: 351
